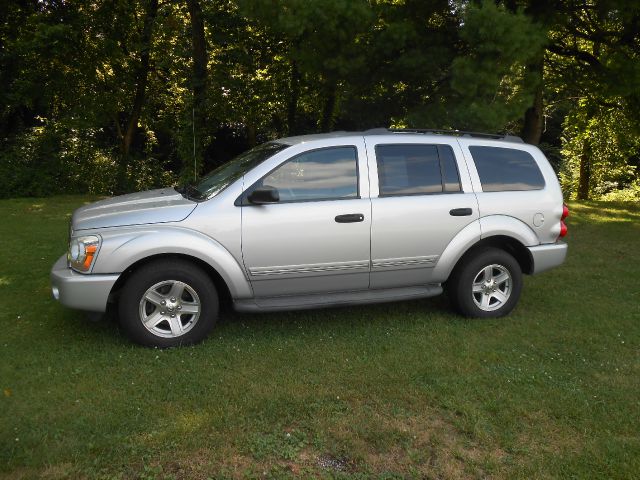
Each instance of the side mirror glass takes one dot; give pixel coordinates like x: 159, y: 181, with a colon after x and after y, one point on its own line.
x: 264, y: 195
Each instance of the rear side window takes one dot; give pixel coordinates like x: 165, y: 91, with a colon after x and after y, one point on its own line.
x: 506, y: 169
x: 416, y: 169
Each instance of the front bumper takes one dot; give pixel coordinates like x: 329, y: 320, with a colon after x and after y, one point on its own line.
x: 548, y: 256
x: 79, y: 291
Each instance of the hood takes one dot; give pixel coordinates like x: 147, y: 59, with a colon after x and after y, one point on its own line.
x: 153, y: 206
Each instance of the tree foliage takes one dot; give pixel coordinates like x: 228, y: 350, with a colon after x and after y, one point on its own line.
x: 110, y: 96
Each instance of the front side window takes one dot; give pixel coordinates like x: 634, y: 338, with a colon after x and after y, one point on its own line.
x: 416, y: 169
x: 506, y: 169
x: 324, y: 174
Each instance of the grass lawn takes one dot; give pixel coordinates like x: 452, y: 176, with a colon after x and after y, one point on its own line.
x: 405, y: 390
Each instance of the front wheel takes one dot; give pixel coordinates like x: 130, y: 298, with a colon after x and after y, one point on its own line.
x: 168, y: 303
x: 488, y: 284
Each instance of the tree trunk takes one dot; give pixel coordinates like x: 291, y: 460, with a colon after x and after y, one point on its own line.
x: 294, y: 95
x: 199, y: 80
x: 142, y: 77
x: 328, y: 110
x: 585, y: 171
x: 251, y: 134
x: 534, y: 116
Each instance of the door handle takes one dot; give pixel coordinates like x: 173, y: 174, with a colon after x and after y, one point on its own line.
x: 460, y: 212
x: 350, y: 218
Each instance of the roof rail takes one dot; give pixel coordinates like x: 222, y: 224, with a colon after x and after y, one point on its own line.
x: 459, y: 133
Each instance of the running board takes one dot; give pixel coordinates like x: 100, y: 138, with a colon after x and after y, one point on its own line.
x: 338, y: 299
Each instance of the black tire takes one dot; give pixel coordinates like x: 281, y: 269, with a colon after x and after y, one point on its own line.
x: 470, y: 269
x: 199, y: 295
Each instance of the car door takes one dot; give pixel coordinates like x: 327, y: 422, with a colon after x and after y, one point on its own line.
x: 315, y: 239
x: 421, y: 198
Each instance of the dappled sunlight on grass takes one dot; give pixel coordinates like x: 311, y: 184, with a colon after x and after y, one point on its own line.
x: 189, y: 422
x: 603, y: 212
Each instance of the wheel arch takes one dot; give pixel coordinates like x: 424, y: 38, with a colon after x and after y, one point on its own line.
x: 502, y: 242
x: 221, y: 285
x: 498, y: 231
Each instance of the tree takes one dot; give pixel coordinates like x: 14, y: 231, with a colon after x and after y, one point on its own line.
x: 491, y: 78
x: 129, y: 88
x: 141, y: 75
x: 595, y: 60
x: 199, y: 79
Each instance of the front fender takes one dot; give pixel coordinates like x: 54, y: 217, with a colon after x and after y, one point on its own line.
x: 123, y: 247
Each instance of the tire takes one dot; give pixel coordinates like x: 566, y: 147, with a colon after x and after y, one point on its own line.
x: 176, y: 300
x: 486, y: 283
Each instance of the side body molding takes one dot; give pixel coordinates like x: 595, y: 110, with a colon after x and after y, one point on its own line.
x: 483, y: 228
x: 123, y: 247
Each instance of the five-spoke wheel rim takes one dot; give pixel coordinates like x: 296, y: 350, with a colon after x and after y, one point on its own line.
x: 492, y: 287
x: 170, y: 308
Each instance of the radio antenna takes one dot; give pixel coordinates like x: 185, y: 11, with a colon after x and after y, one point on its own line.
x: 193, y: 127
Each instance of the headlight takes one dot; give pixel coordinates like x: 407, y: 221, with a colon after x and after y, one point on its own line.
x: 82, y: 252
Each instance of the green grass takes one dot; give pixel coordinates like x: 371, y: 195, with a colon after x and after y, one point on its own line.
x: 406, y: 390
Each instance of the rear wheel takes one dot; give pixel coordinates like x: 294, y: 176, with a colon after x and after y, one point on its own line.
x: 487, y: 284
x: 168, y: 303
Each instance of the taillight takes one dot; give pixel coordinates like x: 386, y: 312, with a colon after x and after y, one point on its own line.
x: 563, y: 229
x: 563, y: 226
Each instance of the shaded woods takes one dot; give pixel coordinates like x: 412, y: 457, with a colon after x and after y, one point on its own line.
x: 113, y: 96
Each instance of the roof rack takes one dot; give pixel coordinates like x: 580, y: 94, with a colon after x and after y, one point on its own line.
x: 458, y: 133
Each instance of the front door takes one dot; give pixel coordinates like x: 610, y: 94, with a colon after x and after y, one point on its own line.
x: 315, y: 239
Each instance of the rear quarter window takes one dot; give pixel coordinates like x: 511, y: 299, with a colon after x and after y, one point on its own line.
x: 506, y: 169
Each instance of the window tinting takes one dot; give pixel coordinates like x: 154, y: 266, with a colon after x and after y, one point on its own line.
x: 416, y: 169
x: 450, y: 176
x: 506, y: 169
x: 326, y: 174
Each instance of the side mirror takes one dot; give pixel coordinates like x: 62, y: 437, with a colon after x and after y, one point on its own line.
x: 264, y: 195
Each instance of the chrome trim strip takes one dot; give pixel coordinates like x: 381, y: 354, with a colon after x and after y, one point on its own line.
x: 423, y: 261
x: 309, y: 268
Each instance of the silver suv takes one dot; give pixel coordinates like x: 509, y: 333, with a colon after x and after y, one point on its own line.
x: 321, y: 220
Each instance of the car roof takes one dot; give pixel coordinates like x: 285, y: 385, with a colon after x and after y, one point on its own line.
x: 317, y: 136
x: 449, y: 134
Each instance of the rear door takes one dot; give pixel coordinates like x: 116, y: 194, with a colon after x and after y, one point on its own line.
x: 421, y: 197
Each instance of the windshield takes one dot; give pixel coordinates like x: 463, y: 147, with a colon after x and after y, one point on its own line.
x: 220, y: 178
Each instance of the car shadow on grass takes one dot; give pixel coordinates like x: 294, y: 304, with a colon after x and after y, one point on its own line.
x: 105, y: 327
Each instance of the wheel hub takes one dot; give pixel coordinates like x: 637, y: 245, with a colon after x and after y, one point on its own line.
x: 170, y: 308
x: 491, y: 287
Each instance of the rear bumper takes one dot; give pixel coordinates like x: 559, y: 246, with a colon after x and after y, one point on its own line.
x: 548, y: 256
x: 82, y: 292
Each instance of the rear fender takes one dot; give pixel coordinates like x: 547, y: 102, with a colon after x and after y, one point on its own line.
x: 462, y: 242
x: 509, y: 227
x: 481, y: 229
